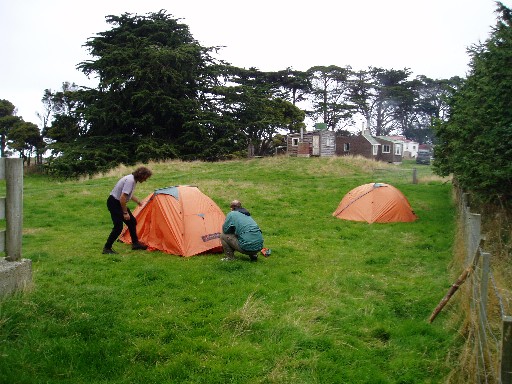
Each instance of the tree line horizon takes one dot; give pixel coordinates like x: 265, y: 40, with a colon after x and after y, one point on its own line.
x: 161, y: 95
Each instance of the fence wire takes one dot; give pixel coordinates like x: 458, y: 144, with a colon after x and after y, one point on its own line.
x: 489, y: 315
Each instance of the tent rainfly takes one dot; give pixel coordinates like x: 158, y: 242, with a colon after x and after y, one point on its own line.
x: 179, y: 220
x: 375, y: 203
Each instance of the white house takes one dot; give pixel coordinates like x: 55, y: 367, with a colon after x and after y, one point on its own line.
x: 409, y: 147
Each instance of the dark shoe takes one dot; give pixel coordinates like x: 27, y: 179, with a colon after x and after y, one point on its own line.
x: 254, y: 257
x: 109, y: 251
x: 139, y: 246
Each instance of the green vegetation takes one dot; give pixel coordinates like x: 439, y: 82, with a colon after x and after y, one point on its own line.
x: 337, y: 302
x: 474, y: 144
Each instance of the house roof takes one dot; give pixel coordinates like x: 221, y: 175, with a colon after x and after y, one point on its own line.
x: 401, y: 138
x: 316, y: 131
x: 370, y: 139
x: 391, y: 139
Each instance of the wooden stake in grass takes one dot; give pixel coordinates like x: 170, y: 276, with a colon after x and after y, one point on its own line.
x: 462, y: 278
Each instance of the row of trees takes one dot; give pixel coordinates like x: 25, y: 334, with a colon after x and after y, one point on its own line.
x: 474, y: 143
x: 161, y: 95
x: 18, y: 135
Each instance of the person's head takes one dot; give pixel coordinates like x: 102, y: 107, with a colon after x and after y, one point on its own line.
x: 141, y: 174
x: 235, y: 204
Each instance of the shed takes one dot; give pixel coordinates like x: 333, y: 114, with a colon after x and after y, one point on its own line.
x: 313, y: 143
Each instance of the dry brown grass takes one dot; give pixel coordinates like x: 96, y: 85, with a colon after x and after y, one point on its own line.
x: 243, y: 319
x: 497, y: 229
x: 434, y: 178
x: 460, y: 303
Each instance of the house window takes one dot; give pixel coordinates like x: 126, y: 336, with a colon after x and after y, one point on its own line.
x: 330, y: 142
x: 386, y: 148
x: 375, y: 150
x: 295, y: 141
x: 398, y: 149
x: 346, y: 147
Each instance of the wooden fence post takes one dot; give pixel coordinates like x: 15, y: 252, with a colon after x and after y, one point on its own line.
x: 414, y: 176
x: 506, y: 351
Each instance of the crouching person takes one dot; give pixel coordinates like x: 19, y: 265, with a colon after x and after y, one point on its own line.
x: 240, y: 233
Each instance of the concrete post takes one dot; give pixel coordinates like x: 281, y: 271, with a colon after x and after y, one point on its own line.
x: 14, y: 208
x: 15, y: 272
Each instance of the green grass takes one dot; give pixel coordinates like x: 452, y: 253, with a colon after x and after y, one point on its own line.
x: 337, y: 302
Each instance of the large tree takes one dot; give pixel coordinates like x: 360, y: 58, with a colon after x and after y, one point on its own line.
x: 148, y: 69
x: 25, y: 138
x: 152, y: 77
x: 330, y: 95
x: 429, y: 107
x: 294, y: 85
x: 474, y: 144
x: 382, y: 96
x: 252, y: 104
x: 8, y: 120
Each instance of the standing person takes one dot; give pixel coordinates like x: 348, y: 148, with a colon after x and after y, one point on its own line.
x: 119, y: 211
x: 240, y: 233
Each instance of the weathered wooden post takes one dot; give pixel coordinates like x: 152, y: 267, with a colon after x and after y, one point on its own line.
x: 250, y: 150
x: 15, y: 272
x: 506, y: 351
x: 414, y: 176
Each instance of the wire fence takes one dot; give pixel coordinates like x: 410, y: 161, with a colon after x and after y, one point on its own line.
x: 490, y: 320
x: 395, y: 175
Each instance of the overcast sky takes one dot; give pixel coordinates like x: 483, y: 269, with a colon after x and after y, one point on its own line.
x: 41, y: 41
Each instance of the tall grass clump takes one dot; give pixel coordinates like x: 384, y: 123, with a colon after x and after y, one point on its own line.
x: 336, y: 302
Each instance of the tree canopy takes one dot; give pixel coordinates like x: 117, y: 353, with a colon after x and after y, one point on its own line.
x: 160, y: 95
x: 474, y: 143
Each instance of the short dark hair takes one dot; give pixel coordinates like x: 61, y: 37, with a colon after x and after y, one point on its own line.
x: 235, y: 204
x: 142, y: 173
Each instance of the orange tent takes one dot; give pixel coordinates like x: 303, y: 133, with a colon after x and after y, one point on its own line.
x: 375, y: 203
x: 179, y: 220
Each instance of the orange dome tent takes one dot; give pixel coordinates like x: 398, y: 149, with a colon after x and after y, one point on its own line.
x: 179, y: 220
x: 375, y: 203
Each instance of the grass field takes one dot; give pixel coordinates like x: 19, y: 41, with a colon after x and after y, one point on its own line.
x: 336, y: 302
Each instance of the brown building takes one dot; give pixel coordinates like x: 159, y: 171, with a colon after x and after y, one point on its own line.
x: 363, y: 144
x: 373, y: 147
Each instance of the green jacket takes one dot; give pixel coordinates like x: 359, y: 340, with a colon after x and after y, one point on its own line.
x: 246, y: 230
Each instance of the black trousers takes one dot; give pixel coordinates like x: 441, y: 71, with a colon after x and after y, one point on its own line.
x: 116, y: 212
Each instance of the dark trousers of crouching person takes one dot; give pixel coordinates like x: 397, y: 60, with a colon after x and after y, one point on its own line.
x: 230, y: 245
